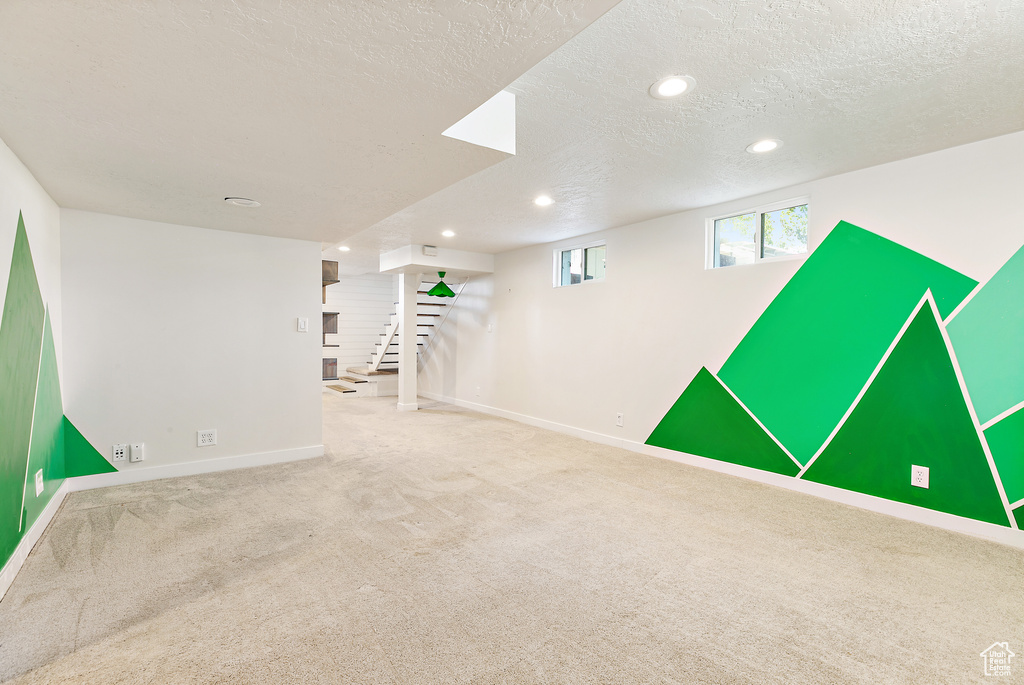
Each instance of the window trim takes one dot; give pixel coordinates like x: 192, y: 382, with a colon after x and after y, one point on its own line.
x: 709, y: 230
x: 556, y: 263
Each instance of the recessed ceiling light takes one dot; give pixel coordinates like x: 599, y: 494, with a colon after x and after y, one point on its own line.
x: 543, y: 201
x: 344, y: 248
x: 448, y: 234
x: 241, y: 202
x: 671, y: 87
x: 766, y: 145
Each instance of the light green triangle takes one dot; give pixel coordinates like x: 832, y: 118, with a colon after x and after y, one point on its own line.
x: 914, y: 413
x: 805, y: 359
x: 988, y: 338
x: 707, y: 421
x: 46, y: 452
x: 80, y: 457
x: 21, y: 335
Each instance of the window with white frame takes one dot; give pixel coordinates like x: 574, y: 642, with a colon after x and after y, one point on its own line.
x: 579, y: 264
x: 768, y: 232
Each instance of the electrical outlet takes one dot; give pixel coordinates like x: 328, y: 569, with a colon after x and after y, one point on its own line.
x: 120, y: 452
x: 39, y: 482
x: 206, y: 438
x: 618, y: 419
x: 919, y: 476
x: 138, y: 452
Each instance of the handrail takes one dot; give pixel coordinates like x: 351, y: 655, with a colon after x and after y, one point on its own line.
x: 437, y: 328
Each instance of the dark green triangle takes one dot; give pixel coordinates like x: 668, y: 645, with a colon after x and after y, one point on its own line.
x: 46, y: 453
x: 807, y: 356
x: 914, y: 413
x: 1006, y: 441
x: 80, y: 457
x: 1018, y: 514
x: 707, y: 421
x: 21, y: 334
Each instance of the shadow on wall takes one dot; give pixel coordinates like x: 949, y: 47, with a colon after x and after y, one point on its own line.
x: 40, y: 446
x: 873, y: 362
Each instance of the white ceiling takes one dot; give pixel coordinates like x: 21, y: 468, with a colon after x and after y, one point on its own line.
x: 332, y: 115
x: 329, y: 113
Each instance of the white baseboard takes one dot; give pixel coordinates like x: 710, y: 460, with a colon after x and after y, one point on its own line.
x: 909, y: 512
x: 31, y: 537
x: 193, y: 468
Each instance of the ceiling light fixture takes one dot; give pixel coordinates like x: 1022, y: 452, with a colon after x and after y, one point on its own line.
x: 344, y: 248
x: 448, y: 233
x: 671, y: 87
x: 543, y: 201
x: 241, y: 202
x: 766, y: 145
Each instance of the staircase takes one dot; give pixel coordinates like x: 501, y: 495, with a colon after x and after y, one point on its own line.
x: 379, y: 377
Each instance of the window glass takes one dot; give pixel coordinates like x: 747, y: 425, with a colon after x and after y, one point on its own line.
x: 784, y: 232
x: 572, y: 266
x: 734, y: 240
x: 594, y: 263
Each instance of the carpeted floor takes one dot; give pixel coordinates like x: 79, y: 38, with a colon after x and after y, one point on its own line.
x: 444, y: 546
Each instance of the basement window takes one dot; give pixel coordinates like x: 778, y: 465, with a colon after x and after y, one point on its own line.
x: 770, y: 232
x: 575, y: 265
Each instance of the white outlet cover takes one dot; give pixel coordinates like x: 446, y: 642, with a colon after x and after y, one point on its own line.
x: 919, y: 476
x: 120, y: 452
x: 39, y: 482
x: 138, y: 452
x: 302, y: 324
x: 206, y: 438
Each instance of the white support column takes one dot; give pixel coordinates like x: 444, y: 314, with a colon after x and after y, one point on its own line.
x: 408, y: 284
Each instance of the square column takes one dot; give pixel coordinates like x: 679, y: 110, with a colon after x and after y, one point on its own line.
x: 408, y: 285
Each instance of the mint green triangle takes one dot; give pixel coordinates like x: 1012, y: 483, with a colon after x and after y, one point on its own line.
x: 988, y: 338
x: 80, y: 457
x: 707, y: 421
x: 802, y: 363
x: 21, y: 336
x: 914, y: 413
x: 46, y: 452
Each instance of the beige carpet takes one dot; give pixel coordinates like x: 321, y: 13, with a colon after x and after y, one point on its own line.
x: 443, y: 546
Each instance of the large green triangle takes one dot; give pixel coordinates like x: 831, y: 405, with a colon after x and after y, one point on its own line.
x: 988, y: 337
x: 807, y: 356
x: 46, y: 452
x: 707, y: 421
x: 1006, y: 441
x: 914, y: 413
x: 80, y: 457
x: 21, y: 335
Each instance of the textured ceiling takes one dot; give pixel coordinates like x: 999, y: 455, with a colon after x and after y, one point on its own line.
x: 845, y: 85
x: 329, y: 113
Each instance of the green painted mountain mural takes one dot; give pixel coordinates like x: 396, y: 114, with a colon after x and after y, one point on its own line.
x: 837, y: 315
x: 914, y: 413
x: 21, y: 337
x: 1006, y: 441
x: 46, y: 452
x: 987, y: 335
x: 706, y: 420
x: 34, y: 433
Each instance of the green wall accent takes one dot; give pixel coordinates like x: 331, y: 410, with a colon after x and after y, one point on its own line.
x: 803, y: 362
x: 987, y: 335
x: 706, y: 420
x: 1006, y: 442
x: 1018, y: 515
x: 47, y: 449
x: 80, y: 457
x: 21, y: 333
x: 914, y: 413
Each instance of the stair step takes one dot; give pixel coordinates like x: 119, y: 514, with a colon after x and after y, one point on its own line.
x: 349, y: 379
x: 365, y: 371
x: 341, y: 388
x: 379, y: 344
x: 422, y: 335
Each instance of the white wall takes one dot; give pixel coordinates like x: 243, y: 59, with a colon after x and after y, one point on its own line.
x: 19, y: 191
x: 173, y: 329
x: 364, y: 305
x: 577, y: 355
